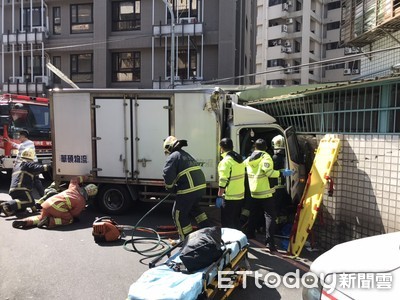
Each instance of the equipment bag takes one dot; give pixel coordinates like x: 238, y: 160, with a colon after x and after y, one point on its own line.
x: 201, y: 248
x: 105, y: 229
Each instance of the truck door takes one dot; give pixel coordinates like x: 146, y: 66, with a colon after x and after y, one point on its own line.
x: 151, y: 119
x: 113, y: 137
x: 297, y: 180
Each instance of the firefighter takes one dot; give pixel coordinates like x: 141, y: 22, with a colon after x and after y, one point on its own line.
x: 62, y: 208
x: 282, y: 198
x: 182, y: 175
x: 22, y: 178
x: 231, y: 191
x: 26, y: 143
x: 260, y: 168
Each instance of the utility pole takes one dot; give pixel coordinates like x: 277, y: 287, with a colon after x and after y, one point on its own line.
x: 169, y: 6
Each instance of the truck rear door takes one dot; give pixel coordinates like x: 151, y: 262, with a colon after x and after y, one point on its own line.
x: 151, y: 119
x: 72, y: 136
x: 113, y: 137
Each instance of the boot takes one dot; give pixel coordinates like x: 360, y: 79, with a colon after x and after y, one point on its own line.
x: 44, y: 223
x: 6, y: 209
x: 270, y: 243
x: 19, y: 224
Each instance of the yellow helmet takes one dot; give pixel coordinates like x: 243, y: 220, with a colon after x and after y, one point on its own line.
x: 91, y: 189
x: 169, y: 144
x: 278, y: 142
x: 28, y: 154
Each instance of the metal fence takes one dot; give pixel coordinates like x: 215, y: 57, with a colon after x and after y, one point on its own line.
x: 353, y: 108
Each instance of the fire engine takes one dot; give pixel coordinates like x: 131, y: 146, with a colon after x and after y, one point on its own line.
x: 19, y: 112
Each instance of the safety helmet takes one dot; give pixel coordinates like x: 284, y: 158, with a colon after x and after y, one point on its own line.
x: 278, y: 142
x: 169, y: 144
x: 91, y: 189
x: 28, y: 154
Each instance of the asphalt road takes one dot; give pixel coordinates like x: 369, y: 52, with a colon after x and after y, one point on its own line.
x: 66, y: 263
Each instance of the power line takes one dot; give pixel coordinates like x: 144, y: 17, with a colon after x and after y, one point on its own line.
x: 336, y: 60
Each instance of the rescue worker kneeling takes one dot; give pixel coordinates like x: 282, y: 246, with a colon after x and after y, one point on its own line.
x: 62, y: 208
x: 22, y: 178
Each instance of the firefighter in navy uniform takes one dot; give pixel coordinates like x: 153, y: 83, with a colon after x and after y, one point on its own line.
x: 183, y: 176
x: 282, y: 198
x: 22, y: 178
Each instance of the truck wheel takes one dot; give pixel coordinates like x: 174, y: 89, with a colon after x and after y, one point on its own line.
x: 114, y: 199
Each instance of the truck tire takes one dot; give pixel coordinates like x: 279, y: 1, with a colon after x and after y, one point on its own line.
x: 114, y: 199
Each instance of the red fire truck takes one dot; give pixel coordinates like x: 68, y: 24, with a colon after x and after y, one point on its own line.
x: 19, y: 112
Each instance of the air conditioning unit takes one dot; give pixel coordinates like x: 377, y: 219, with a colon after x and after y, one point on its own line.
x: 288, y: 50
x: 287, y: 44
x: 284, y: 28
x: 348, y: 50
x: 347, y: 71
x: 356, y: 71
x: 289, y: 21
x: 285, y: 6
x: 279, y: 42
x: 288, y: 65
x: 288, y: 71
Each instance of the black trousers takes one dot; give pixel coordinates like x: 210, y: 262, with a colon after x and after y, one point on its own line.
x: 268, y: 207
x: 186, y: 208
x: 230, y: 214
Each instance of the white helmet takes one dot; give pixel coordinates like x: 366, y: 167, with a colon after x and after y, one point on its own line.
x: 28, y: 154
x: 91, y: 189
x: 278, y: 142
x: 169, y: 144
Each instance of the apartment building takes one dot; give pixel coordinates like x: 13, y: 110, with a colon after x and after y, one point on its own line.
x: 125, y: 44
x: 298, y: 42
x: 373, y: 26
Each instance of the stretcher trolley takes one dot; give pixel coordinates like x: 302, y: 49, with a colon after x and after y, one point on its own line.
x: 164, y: 281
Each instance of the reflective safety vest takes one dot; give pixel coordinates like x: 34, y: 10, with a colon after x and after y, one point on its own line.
x: 183, y: 173
x: 260, y: 167
x: 231, y: 174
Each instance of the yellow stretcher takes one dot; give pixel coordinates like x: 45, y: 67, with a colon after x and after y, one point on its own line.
x: 308, y: 207
x: 162, y: 282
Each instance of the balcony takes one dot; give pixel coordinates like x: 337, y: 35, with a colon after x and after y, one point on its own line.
x: 184, y: 28
x: 38, y: 35
x: 387, y: 21
x: 17, y: 85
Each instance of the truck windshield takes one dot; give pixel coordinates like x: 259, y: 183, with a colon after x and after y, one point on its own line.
x: 32, y: 117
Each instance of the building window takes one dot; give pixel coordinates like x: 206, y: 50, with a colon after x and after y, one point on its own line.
x: 82, y: 67
x: 332, y: 46
x: 57, y: 64
x: 32, y: 67
x: 276, y: 63
x: 186, y: 64
x: 57, y: 20
x: 333, y: 5
x: 274, y: 2
x: 126, y: 15
x: 36, y: 20
x: 333, y: 25
x: 188, y: 12
x: 81, y: 18
x: 126, y: 66
x: 276, y: 82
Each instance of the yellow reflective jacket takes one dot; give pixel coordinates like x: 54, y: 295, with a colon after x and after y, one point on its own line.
x: 231, y: 171
x: 260, y: 167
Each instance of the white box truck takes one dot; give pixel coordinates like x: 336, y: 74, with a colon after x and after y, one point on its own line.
x: 117, y: 136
